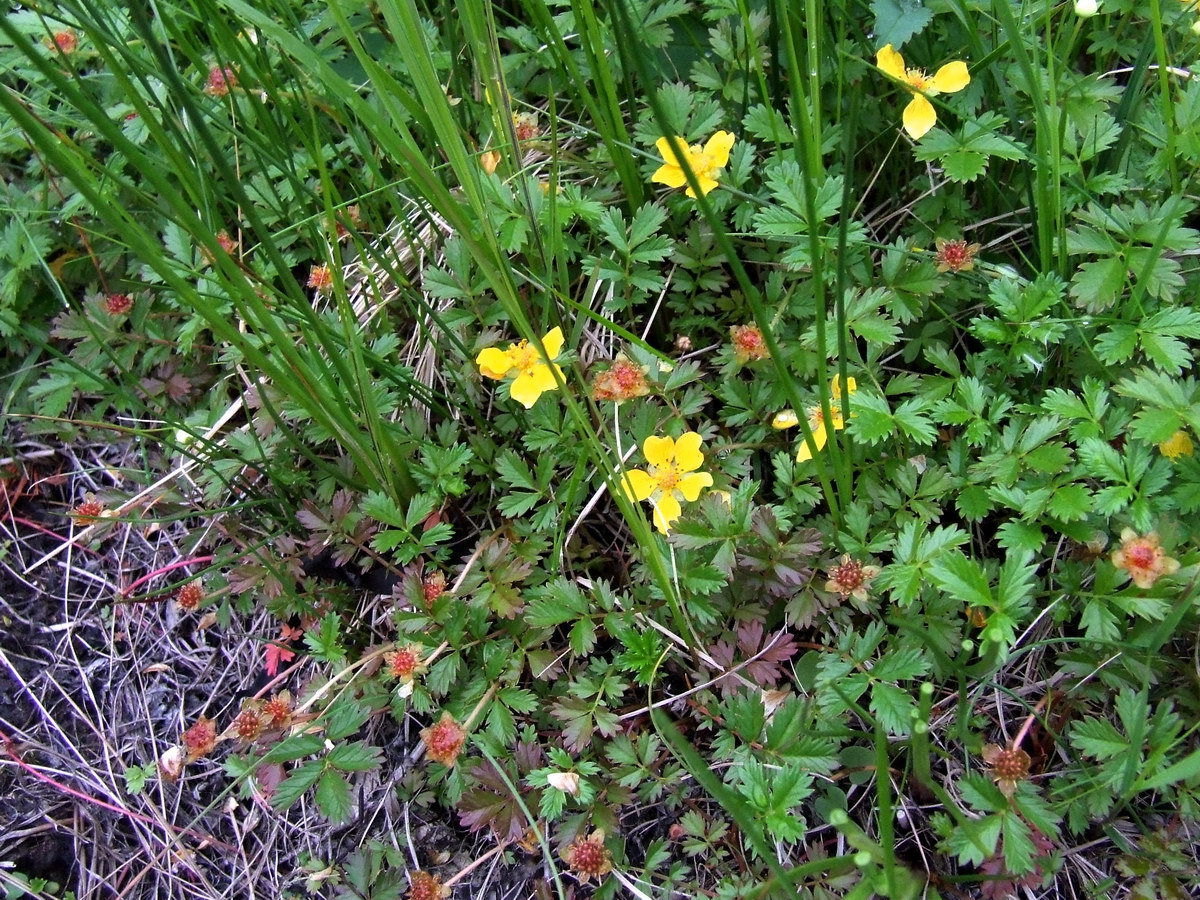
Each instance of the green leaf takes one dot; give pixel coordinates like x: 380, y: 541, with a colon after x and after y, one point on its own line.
x: 333, y: 796
x: 1098, y: 738
x: 295, y: 747
x: 893, y: 707
x: 899, y: 21
x: 962, y: 578
x: 356, y: 757
x: 1097, y: 285
x: 297, y: 782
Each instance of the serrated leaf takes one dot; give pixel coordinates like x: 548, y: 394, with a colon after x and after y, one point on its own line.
x: 333, y: 796
x: 962, y: 578
x: 356, y: 757
x: 899, y: 21
x: 893, y: 707
x: 295, y: 747
x: 297, y: 782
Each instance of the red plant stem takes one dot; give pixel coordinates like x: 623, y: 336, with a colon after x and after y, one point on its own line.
x: 37, y: 526
x: 194, y: 561
x: 11, y: 749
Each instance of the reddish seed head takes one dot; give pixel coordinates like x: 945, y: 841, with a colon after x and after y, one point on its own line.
x: 433, y: 586
x: 423, y: 886
x: 190, y: 596
x: 403, y: 663
x: 588, y: 857
x: 118, y: 304
x: 65, y: 41
x: 227, y: 243
x: 748, y: 343
x: 955, y: 256
x: 200, y: 738
x: 320, y: 278
x: 444, y: 740
x: 249, y: 723
x: 1143, y: 558
x: 220, y: 80
x: 89, y: 511
x: 277, y: 711
x: 624, y: 380
x: 525, y: 125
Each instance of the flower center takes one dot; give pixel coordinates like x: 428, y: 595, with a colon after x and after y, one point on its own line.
x: 919, y: 80
x: 523, y: 356
x: 1140, y: 556
x: 667, y: 478
x: 849, y: 575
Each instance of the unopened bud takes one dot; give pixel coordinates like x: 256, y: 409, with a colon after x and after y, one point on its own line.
x: 1085, y: 9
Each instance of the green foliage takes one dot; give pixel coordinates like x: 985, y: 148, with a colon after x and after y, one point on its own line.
x: 756, y: 674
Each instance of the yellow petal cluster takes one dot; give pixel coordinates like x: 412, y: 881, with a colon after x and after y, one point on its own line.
x: 670, y: 477
x: 816, y: 418
x: 703, y: 161
x: 534, y: 373
x: 919, y: 115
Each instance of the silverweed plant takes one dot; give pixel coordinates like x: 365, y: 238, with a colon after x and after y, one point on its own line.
x: 663, y: 447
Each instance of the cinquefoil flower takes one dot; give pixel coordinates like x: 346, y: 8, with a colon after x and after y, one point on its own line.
x: 816, y: 418
x: 919, y: 115
x: 671, y: 476
x: 1143, y: 558
x: 533, y: 371
x: 704, y: 162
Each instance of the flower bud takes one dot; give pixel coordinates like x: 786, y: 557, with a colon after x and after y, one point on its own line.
x: 1085, y: 9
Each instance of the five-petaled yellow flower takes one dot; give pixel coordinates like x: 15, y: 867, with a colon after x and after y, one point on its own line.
x: 816, y: 418
x: 535, y: 373
x: 671, y: 476
x: 704, y: 162
x: 919, y: 115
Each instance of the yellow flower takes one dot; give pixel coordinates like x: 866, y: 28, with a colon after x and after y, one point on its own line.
x: 535, y: 373
x: 919, y: 115
x: 1177, y: 445
x: 703, y: 162
x: 671, y: 476
x: 785, y: 419
x: 816, y: 418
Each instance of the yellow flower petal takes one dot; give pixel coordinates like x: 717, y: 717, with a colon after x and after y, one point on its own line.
x: 666, y: 511
x: 835, y: 386
x: 688, y: 457
x: 667, y: 151
x: 493, y: 362
x: 919, y: 117
x: 784, y: 419
x: 706, y: 185
x: 659, y: 451
x: 691, y: 485
x: 670, y: 175
x: 717, y: 150
x: 639, y: 485
x: 890, y: 62
x: 820, y: 438
x: 553, y: 342
x: 951, y: 77
x: 530, y: 385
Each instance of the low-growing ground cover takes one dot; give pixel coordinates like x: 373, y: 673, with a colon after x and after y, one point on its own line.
x: 733, y: 448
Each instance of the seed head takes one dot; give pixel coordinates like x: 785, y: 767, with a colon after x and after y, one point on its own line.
x: 89, y: 511
x: 320, y: 279
x: 444, y: 740
x: 423, y: 886
x: 249, y: 723
x: 220, y: 80
x: 1009, y: 766
x: 200, y: 739
x: 1143, y: 558
x: 588, y: 857
x: 190, y: 595
x: 748, y: 343
x: 851, y: 578
x: 433, y: 586
x: 525, y: 124
x: 955, y: 255
x: 623, y: 380
x: 277, y: 711
x: 65, y: 41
